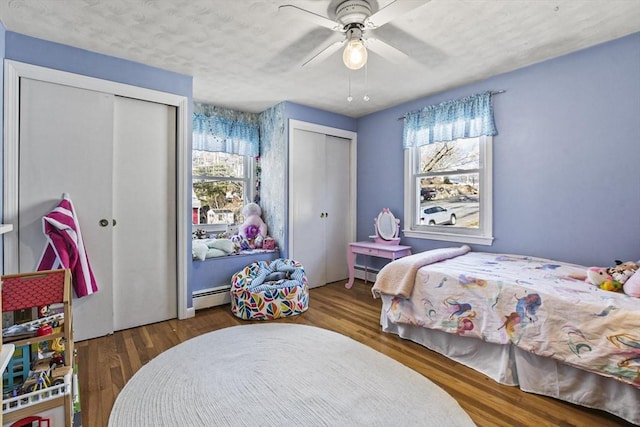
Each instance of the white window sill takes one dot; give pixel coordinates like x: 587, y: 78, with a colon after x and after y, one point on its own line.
x: 449, y: 237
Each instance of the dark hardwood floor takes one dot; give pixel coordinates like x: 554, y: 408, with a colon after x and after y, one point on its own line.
x: 106, y: 364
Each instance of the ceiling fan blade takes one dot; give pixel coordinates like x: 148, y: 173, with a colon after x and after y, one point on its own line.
x: 324, y: 53
x: 391, y: 11
x: 310, y: 16
x: 385, y: 50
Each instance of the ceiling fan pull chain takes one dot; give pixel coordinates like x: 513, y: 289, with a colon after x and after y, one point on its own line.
x: 366, y: 83
x: 349, y: 98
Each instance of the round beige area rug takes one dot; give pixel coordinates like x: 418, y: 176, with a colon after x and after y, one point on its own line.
x: 280, y: 374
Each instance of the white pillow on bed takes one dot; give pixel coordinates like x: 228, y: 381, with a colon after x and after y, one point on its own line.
x: 632, y: 286
x: 199, y: 250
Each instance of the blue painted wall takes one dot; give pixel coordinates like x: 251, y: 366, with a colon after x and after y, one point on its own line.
x: 566, y: 182
x: 44, y: 53
x: 320, y: 117
x: 566, y: 159
x: 19, y: 47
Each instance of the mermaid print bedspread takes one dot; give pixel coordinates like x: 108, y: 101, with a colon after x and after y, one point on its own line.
x: 533, y: 303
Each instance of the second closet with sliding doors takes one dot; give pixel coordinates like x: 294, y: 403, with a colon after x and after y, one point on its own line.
x: 321, y: 200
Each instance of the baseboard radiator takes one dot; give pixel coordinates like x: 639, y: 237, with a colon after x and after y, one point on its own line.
x: 211, y: 297
x: 220, y: 295
x: 359, y: 272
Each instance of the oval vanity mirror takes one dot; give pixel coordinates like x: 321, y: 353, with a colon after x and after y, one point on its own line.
x: 387, y: 227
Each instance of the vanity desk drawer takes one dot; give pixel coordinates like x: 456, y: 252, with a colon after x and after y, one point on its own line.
x: 368, y: 251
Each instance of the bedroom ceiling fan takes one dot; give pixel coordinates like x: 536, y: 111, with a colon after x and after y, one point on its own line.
x: 354, y: 18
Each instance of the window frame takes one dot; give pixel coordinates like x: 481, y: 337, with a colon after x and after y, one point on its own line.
x: 248, y: 181
x: 483, y: 235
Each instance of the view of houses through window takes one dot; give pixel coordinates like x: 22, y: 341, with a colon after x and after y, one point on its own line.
x: 220, y: 185
x: 447, y: 181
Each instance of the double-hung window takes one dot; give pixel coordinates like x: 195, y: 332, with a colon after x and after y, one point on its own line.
x: 221, y: 186
x: 448, y: 170
x: 225, y: 144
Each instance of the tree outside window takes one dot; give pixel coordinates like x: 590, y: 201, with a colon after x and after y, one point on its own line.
x: 221, y: 183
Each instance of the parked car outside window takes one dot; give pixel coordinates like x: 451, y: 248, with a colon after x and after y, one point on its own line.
x: 437, y: 215
x: 428, y: 194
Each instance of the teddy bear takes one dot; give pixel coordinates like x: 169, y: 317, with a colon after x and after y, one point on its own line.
x: 253, y: 225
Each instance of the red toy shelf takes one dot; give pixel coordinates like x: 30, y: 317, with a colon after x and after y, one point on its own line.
x: 24, y: 291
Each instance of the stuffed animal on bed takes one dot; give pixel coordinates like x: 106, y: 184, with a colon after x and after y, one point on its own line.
x: 623, y: 270
x: 628, y: 274
x: 253, y: 225
x: 600, y: 277
x: 611, y: 278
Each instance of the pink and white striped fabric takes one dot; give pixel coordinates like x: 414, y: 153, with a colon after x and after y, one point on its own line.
x: 65, y: 247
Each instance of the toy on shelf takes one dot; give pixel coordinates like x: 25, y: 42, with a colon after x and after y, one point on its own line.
x: 32, y: 328
x: 17, y: 370
x: 41, y: 379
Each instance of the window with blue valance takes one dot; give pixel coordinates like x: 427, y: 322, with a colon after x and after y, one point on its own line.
x: 467, y: 117
x: 223, y: 130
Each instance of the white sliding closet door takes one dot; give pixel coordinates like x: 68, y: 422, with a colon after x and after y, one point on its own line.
x: 307, y: 198
x: 116, y: 157
x: 336, y: 202
x: 66, y: 145
x: 319, y: 196
x: 144, y: 200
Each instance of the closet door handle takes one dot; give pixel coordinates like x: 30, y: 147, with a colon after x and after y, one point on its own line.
x: 114, y: 222
x: 326, y: 214
x: 322, y: 215
x: 103, y: 222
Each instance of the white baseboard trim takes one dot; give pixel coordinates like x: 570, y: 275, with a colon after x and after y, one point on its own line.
x: 191, y: 312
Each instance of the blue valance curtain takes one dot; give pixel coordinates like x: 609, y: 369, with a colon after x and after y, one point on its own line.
x: 229, y: 131
x: 467, y: 117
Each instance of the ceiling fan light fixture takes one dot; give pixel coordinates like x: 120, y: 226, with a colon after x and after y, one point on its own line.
x: 354, y: 55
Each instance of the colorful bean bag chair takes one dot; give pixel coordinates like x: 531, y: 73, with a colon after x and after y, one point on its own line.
x: 268, y: 290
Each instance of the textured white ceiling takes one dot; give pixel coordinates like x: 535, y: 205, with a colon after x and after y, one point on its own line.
x: 245, y: 55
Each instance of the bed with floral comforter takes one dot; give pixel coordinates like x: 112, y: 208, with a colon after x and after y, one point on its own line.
x: 542, y: 307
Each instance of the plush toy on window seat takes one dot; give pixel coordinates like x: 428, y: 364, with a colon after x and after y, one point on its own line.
x: 253, y: 225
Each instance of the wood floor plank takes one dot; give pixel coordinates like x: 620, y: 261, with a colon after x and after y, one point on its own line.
x: 107, y: 363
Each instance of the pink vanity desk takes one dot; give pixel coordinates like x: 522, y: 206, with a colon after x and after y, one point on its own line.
x: 381, y: 250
